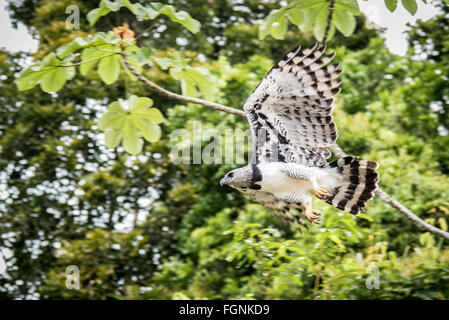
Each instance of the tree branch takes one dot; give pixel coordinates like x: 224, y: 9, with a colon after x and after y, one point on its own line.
x: 329, y: 19
x: 334, y: 148
x: 179, y: 97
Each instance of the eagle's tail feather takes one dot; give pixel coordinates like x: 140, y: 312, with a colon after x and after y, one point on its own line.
x: 360, y: 178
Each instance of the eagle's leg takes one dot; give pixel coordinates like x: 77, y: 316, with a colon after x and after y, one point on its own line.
x: 311, y: 214
x: 304, y: 203
x: 319, y: 192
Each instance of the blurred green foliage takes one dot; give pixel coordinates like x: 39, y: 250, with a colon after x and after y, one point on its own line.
x: 142, y: 227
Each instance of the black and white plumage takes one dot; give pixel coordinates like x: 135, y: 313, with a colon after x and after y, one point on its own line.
x: 290, y: 114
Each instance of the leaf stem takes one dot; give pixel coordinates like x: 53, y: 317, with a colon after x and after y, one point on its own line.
x: 147, y: 29
x: 86, y: 61
x: 106, y: 50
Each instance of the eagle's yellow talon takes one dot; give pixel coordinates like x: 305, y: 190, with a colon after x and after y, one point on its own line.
x: 320, y: 192
x: 312, y: 215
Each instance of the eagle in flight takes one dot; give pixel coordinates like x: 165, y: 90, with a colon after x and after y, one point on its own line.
x: 290, y: 114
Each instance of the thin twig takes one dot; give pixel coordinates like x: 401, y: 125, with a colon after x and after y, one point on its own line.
x: 404, y: 210
x: 147, y: 29
x: 86, y: 61
x: 334, y: 148
x: 106, y: 50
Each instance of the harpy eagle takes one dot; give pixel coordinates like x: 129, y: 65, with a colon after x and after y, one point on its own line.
x: 290, y: 114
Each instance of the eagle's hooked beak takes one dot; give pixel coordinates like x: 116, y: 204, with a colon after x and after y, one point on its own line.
x: 223, y: 182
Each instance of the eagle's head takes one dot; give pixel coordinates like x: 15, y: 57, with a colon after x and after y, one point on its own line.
x: 238, y: 178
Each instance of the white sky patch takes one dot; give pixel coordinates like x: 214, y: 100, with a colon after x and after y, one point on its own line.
x: 396, y: 22
x: 12, y: 39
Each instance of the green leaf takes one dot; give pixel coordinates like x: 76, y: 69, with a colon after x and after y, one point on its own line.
x: 152, y: 114
x: 310, y: 4
x: 344, y: 21
x: 443, y: 223
x: 180, y: 17
x: 139, y: 104
x: 70, y: 72
x: 131, y: 138
x: 31, y: 76
x: 275, y: 23
x: 320, y: 22
x: 95, y: 14
x: 114, y: 5
x: 151, y: 12
x: 187, y: 87
x: 279, y: 28
x: 116, y: 107
x: 190, y: 78
x: 150, y: 130
x: 202, y: 78
x: 109, y: 68
x: 105, y: 7
x: 143, y: 55
x: 91, y: 56
x: 351, y: 6
x: 391, y: 4
x: 54, y: 80
x: 336, y: 240
x: 130, y: 124
x: 366, y: 217
x: 296, y: 16
x: 165, y: 62
x: 411, y: 6
x: 138, y: 10
x: 207, y: 89
x: 311, y: 15
x: 112, y: 120
x: 51, y: 60
x: 112, y: 138
x: 50, y: 73
x: 331, y: 31
x: 306, y: 24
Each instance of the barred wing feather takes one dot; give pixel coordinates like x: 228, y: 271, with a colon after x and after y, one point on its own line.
x: 290, y: 111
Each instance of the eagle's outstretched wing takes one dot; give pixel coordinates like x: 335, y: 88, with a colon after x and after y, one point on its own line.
x: 290, y: 110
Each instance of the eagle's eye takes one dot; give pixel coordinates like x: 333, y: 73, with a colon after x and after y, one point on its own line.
x: 230, y: 174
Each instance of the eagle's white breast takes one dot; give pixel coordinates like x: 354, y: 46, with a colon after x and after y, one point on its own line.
x: 275, y: 180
